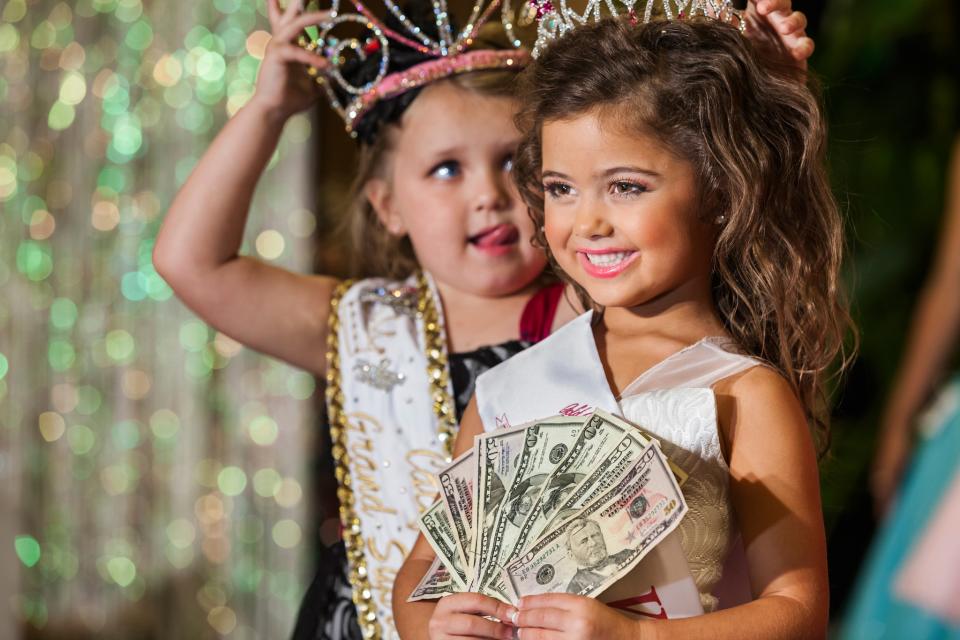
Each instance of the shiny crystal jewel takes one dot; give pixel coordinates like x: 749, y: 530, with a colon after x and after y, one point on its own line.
x: 558, y: 18
x: 378, y: 376
x: 527, y: 15
x: 376, y: 40
x: 402, y: 299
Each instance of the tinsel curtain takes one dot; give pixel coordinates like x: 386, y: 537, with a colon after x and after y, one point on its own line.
x: 152, y: 471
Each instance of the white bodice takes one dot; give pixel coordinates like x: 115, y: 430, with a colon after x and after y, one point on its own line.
x: 691, y: 440
x: 673, y: 400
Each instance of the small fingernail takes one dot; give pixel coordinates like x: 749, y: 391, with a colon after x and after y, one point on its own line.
x: 514, y: 614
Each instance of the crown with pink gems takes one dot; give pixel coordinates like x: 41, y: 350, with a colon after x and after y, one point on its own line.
x: 556, y: 17
x: 446, y: 53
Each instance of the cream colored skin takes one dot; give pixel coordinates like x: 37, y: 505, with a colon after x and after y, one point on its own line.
x: 933, y: 338
x: 447, y: 179
x: 608, y: 189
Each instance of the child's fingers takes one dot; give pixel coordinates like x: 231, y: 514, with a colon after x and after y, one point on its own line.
x: 546, y: 618
x: 292, y: 53
x: 295, y: 7
x: 476, y: 604
x: 472, y: 626
x: 802, y: 49
x: 786, y: 23
x: 765, y: 7
x: 798, y: 45
x: 273, y: 13
x: 290, y: 30
x: 564, y: 601
x: 506, y: 612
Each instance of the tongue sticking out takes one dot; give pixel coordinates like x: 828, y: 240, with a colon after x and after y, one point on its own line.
x: 496, y: 236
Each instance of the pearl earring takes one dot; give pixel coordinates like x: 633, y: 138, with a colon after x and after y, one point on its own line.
x: 720, y: 219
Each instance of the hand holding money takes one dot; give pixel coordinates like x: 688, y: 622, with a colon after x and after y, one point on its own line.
x: 556, y: 505
x: 574, y: 618
x: 473, y: 615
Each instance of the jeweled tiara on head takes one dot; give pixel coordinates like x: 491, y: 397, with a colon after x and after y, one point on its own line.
x: 444, y: 51
x: 556, y: 17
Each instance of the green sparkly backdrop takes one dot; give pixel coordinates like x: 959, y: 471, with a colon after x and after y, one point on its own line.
x: 152, y: 471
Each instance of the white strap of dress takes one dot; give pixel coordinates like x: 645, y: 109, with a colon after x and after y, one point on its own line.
x: 701, y: 365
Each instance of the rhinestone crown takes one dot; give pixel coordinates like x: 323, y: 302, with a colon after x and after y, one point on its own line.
x: 556, y: 17
x: 446, y: 54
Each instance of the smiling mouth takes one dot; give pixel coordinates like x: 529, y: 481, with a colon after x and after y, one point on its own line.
x: 606, y: 264
x: 608, y: 259
x: 496, y: 239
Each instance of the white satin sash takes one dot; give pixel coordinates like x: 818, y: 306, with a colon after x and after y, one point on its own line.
x: 391, y: 435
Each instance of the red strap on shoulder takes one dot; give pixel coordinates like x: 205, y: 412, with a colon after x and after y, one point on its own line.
x: 537, y: 318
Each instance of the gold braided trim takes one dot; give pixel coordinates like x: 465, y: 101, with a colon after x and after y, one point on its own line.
x: 435, y: 345
x: 352, y: 537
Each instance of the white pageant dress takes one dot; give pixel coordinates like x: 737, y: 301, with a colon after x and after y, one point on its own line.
x: 674, y: 401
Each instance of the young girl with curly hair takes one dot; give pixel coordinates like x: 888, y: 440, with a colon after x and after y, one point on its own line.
x: 675, y: 176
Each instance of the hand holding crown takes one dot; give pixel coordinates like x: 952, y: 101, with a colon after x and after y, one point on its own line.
x: 283, y: 89
x: 776, y: 21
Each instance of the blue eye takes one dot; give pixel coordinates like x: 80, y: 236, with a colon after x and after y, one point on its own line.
x: 508, y: 164
x: 446, y: 170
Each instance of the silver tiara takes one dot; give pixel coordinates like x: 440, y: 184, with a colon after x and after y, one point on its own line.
x: 446, y: 54
x: 555, y: 17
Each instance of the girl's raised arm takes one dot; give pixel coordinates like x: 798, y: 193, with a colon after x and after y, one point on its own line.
x: 272, y: 310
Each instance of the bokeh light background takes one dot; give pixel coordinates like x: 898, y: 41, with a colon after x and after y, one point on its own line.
x: 152, y: 471
x: 153, y: 474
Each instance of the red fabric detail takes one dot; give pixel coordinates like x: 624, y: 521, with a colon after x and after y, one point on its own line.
x: 537, y: 319
x: 649, y: 598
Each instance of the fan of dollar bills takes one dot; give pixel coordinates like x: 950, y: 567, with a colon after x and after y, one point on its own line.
x: 556, y: 505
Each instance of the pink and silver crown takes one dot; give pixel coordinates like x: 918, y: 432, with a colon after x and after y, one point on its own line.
x: 446, y: 55
x: 556, y: 17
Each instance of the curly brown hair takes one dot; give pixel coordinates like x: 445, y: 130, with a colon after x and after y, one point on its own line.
x: 750, y: 125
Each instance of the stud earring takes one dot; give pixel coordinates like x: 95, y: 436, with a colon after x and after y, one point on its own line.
x: 720, y: 219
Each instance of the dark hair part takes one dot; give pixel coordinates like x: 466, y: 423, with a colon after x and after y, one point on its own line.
x: 377, y: 252
x: 752, y: 129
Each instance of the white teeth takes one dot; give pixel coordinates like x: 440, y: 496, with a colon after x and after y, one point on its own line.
x: 608, y: 259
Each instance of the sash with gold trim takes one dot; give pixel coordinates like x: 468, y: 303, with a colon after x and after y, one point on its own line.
x: 387, y: 382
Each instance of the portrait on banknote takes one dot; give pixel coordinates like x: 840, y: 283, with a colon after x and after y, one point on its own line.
x: 523, y: 496
x: 589, y: 549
